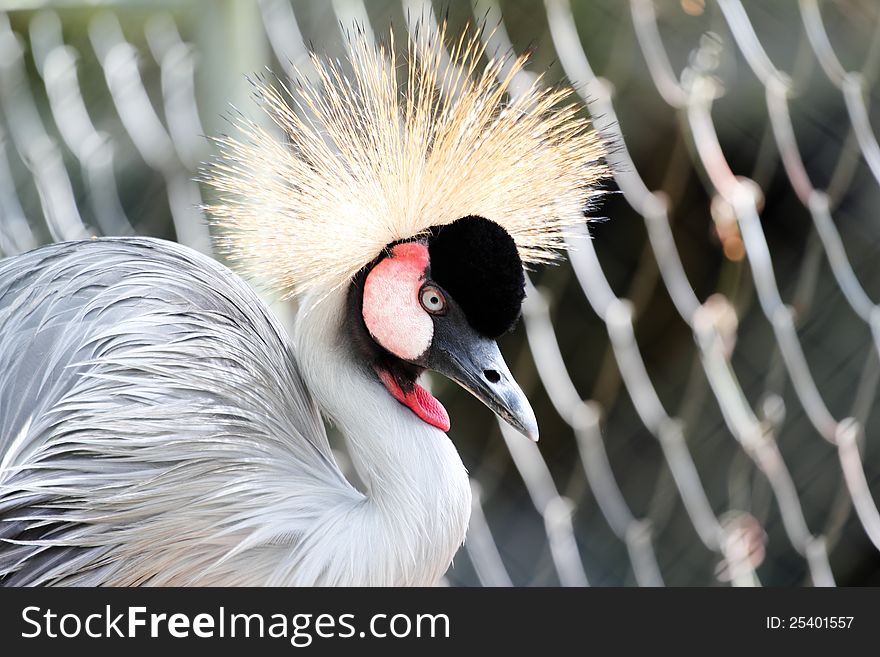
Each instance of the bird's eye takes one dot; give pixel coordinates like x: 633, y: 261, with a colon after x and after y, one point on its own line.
x: 432, y: 300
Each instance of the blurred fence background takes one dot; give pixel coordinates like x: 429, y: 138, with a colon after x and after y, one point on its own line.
x: 704, y: 369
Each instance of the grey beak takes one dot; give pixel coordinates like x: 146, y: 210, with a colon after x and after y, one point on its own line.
x: 475, y: 363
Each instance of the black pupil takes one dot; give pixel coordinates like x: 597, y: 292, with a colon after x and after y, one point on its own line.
x: 435, y: 300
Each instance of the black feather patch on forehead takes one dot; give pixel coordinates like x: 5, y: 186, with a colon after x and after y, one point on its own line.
x: 476, y: 261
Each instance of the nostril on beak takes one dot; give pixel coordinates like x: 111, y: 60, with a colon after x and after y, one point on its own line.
x: 492, y: 376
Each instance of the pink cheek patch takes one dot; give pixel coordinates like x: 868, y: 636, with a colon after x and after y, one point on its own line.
x: 392, y: 312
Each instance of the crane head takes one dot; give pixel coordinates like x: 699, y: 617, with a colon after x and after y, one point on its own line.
x: 439, y: 303
x: 434, y: 170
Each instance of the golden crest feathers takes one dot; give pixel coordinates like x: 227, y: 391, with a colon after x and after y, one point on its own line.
x: 380, y: 154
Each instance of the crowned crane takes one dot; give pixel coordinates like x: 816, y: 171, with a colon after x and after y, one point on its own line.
x: 158, y: 426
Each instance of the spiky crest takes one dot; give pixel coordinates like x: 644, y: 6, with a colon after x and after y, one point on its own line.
x: 370, y: 160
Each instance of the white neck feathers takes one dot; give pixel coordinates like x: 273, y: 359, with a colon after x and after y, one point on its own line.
x: 418, y: 497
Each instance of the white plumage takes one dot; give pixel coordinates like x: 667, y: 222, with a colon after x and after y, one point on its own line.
x: 157, y: 430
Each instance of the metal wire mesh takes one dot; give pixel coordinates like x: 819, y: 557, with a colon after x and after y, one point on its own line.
x: 705, y: 385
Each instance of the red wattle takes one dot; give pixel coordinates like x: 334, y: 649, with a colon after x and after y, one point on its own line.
x: 419, y: 401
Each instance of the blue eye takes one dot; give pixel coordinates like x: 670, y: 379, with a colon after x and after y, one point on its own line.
x: 432, y: 300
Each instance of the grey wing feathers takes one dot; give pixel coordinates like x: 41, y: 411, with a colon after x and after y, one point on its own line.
x: 141, y: 386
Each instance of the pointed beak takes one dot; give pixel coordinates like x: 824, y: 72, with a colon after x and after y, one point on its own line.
x: 475, y: 363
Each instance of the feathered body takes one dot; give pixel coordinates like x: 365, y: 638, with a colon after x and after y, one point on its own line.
x: 158, y: 426
x: 157, y: 429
